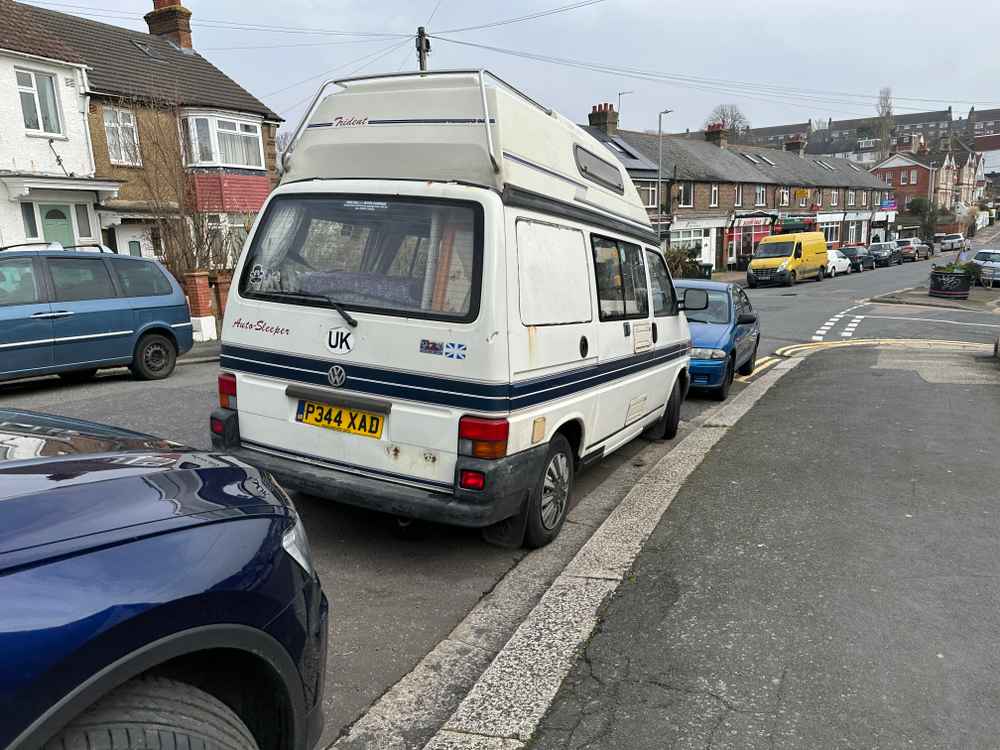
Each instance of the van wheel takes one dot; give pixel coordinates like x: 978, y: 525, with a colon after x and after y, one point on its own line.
x: 550, y: 499
x: 78, y: 376
x: 819, y: 274
x: 156, y: 712
x: 791, y: 279
x: 155, y: 357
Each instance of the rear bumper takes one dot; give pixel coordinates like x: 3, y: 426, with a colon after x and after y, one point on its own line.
x: 508, y: 482
x: 707, y: 373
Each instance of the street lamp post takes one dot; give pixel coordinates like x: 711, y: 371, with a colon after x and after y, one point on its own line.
x: 659, y: 178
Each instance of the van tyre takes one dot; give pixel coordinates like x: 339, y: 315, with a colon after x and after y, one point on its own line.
x: 155, y: 357
x: 819, y: 274
x: 666, y: 427
x: 791, y: 279
x: 155, y: 713
x: 549, y: 501
x: 722, y: 391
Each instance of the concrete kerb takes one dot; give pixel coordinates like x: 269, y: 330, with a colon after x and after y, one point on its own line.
x: 506, y: 704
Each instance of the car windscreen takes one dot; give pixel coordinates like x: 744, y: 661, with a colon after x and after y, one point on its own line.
x: 716, y: 312
x: 880, y: 248
x: 951, y: 237
x: 774, y: 249
x: 389, y: 255
x: 988, y: 257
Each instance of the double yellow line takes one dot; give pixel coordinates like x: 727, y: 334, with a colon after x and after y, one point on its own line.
x: 794, y: 350
x: 762, y: 364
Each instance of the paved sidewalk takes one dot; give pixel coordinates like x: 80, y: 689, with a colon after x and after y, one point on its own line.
x: 202, y: 351
x: 980, y: 299
x: 825, y: 579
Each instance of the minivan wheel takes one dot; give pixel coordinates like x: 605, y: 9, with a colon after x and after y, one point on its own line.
x: 549, y: 500
x: 78, y: 376
x: 155, y: 357
x: 154, y: 712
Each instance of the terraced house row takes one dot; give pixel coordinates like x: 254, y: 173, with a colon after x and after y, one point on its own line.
x: 130, y: 139
x: 719, y: 199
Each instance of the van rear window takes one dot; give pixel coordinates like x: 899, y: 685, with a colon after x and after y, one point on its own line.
x: 388, y: 255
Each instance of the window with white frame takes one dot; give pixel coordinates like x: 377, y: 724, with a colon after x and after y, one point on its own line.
x: 864, y: 197
x: 223, y: 142
x: 834, y: 197
x: 123, y: 137
x: 819, y: 197
x: 739, y: 196
x: 686, y: 197
x: 784, y: 196
x: 714, y: 197
x: 913, y: 177
x: 84, y: 228
x: 851, y: 232
x: 647, y: 193
x: 760, y: 198
x: 851, y: 197
x: 904, y: 178
x: 39, y: 106
x: 888, y: 178
x: 831, y: 232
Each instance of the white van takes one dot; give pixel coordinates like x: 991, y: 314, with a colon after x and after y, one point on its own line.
x: 451, y: 302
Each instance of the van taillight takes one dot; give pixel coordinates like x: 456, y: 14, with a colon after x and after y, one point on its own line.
x: 483, y: 438
x: 227, y: 391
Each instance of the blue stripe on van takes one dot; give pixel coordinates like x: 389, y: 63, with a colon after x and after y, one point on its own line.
x: 487, y: 397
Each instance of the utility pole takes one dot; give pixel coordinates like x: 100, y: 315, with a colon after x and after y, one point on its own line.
x: 423, y: 47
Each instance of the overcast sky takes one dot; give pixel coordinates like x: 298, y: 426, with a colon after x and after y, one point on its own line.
x: 918, y: 47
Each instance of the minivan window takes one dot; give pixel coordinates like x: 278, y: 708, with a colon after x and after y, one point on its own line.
x: 664, y: 301
x: 774, y: 249
x: 387, y: 255
x: 80, y: 278
x: 621, y: 279
x: 18, y: 284
x: 140, y: 278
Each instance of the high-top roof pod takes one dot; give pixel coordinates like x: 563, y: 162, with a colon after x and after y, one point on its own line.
x: 434, y: 126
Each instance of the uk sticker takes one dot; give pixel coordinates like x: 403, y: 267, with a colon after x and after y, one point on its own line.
x: 340, y: 340
x: 431, y: 347
x: 454, y: 351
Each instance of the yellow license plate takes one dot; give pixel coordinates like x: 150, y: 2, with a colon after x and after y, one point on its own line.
x: 340, y: 418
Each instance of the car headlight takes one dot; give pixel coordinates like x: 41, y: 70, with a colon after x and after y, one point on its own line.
x: 708, y: 354
x: 296, y: 544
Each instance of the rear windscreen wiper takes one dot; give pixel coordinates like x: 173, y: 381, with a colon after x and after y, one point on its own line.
x: 338, y: 306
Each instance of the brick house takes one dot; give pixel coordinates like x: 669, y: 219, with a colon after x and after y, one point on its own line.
x: 949, y: 177
x: 183, y: 139
x: 720, y: 199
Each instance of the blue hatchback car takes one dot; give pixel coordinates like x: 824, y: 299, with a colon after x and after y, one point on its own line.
x: 73, y: 311
x: 153, y: 596
x: 724, y: 336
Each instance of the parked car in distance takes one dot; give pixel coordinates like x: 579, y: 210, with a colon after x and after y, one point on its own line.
x: 859, y: 257
x: 885, y: 254
x: 837, y: 262
x: 987, y: 263
x: 953, y: 242
x: 724, y: 336
x: 73, y: 311
x: 151, y: 590
x: 913, y: 249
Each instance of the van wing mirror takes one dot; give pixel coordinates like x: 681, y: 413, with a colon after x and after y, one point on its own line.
x: 746, y: 319
x: 694, y: 299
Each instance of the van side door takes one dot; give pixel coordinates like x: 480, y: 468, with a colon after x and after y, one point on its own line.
x: 625, y: 336
x: 669, y: 342
x: 25, y: 318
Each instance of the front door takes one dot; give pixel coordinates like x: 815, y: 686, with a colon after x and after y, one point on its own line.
x: 57, y: 226
x: 25, y: 319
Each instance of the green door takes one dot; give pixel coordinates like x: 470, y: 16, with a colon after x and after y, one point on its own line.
x: 57, y: 226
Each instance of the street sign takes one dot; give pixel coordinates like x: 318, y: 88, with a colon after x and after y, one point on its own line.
x: 888, y: 205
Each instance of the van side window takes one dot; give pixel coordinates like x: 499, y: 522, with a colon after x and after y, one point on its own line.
x: 140, y: 278
x: 18, y: 283
x: 798, y: 249
x: 80, y: 278
x: 551, y: 272
x: 664, y: 298
x: 621, y: 279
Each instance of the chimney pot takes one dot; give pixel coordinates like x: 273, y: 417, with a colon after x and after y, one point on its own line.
x: 716, y: 133
x: 593, y: 109
x: 171, y: 20
x: 604, y: 117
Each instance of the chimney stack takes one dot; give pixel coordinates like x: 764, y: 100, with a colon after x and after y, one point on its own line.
x: 171, y: 20
x: 717, y: 134
x: 603, y: 116
x: 797, y: 145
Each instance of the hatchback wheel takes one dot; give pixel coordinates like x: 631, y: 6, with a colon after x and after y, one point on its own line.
x: 721, y: 393
x: 833, y: 272
x: 549, y: 501
x: 156, y: 712
x: 155, y: 357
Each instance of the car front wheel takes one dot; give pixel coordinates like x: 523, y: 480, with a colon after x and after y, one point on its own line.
x: 154, y: 712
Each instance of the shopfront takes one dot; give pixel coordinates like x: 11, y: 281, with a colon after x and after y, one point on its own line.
x: 856, y: 228
x: 880, y: 223
x: 830, y: 224
x: 701, y: 238
x: 743, y: 236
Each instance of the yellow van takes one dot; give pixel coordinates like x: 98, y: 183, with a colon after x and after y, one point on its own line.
x: 787, y: 258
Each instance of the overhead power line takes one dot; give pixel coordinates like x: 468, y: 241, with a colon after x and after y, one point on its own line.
x: 378, y: 54
x: 519, y: 19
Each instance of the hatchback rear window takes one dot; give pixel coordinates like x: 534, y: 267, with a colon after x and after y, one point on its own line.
x: 389, y: 255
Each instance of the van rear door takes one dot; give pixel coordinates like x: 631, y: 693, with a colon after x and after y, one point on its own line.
x: 381, y: 398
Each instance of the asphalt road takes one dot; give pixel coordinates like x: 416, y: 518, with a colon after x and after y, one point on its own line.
x: 828, y: 584
x: 394, y: 599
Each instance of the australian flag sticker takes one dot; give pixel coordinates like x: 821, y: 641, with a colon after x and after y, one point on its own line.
x: 454, y: 351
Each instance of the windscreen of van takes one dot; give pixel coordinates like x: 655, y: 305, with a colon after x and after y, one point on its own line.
x: 388, y: 255
x: 774, y: 249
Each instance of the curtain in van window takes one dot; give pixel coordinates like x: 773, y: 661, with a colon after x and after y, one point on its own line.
x: 621, y: 279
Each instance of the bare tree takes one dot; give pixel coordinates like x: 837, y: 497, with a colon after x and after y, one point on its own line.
x: 731, y: 117
x: 283, y: 140
x: 884, y: 122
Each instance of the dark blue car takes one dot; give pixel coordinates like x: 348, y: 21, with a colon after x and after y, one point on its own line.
x: 724, y: 336
x: 151, y: 596
x: 73, y: 311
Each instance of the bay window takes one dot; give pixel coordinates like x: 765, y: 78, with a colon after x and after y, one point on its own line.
x: 122, y: 137
x: 222, y: 142
x: 39, y: 107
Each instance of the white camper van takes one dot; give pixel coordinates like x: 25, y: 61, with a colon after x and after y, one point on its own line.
x: 452, y: 301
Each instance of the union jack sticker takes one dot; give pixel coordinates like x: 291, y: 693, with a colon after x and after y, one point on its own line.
x: 454, y: 351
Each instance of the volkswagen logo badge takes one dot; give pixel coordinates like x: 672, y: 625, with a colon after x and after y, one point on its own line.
x: 337, y: 376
